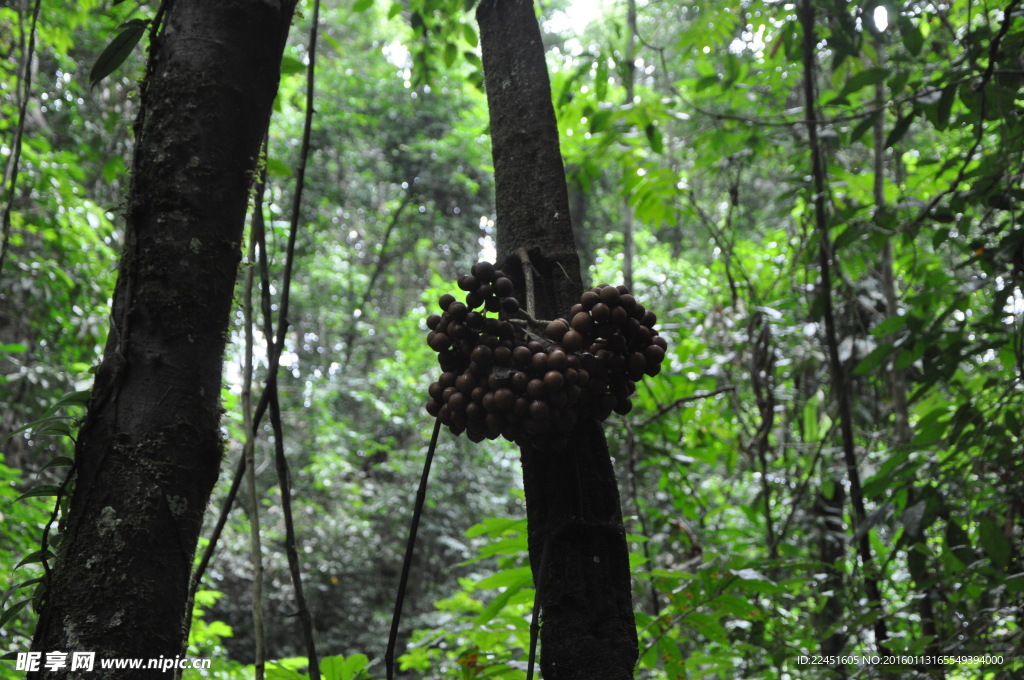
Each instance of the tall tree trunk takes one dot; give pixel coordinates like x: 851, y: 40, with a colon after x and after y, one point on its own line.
x: 149, y: 450
x: 578, y: 549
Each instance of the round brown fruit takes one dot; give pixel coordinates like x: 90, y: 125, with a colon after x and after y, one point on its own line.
x: 554, y: 381
x: 572, y: 341
x: 539, y: 411
x: 457, y: 402
x: 654, y: 354
x: 502, y: 355
x: 582, y: 322
x: 539, y: 363
x: 505, y: 399
x: 433, y: 407
x: 465, y: 383
x: 555, y: 330
x: 438, y: 341
x: 619, y: 317
x: 610, y: 295
x: 601, y: 312
x: 503, y: 287
x: 535, y: 389
x: 558, y: 360
x: 589, y: 299
x: 445, y: 301
x: 635, y: 366
x: 482, y: 354
x: 483, y: 271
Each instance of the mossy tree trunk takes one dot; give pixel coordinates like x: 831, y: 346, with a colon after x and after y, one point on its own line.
x: 149, y: 450
x: 578, y: 550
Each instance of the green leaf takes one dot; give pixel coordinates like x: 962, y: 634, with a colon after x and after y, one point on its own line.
x: 470, y: 35
x: 898, y: 130
x: 34, y: 557
x: 863, y: 126
x: 654, y: 137
x: 290, y: 65
x: 958, y: 542
x: 451, y: 53
x: 945, y: 106
x: 342, y: 668
x: 41, y: 490
x: 917, y: 564
x: 912, y: 517
x: 13, y: 348
x: 873, y: 360
x: 59, y: 461
x: 19, y: 586
x: 911, y: 34
x: 501, y: 599
x: 506, y: 578
x: 394, y: 10
x: 362, y: 5
x: 889, y: 326
x: 278, y: 168
x: 12, y: 611
x: 994, y: 541
x: 868, y: 76
x: 118, y: 50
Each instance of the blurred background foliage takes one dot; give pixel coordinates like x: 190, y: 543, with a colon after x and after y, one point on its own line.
x: 685, y: 143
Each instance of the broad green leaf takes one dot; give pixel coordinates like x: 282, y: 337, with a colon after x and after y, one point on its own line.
x: 654, y: 137
x: 41, y: 490
x: 34, y: 557
x: 506, y: 578
x: 290, y: 65
x: 995, y: 543
x: 864, y: 125
x: 898, y: 130
x: 361, y: 5
x: 278, y: 168
x: 59, y: 461
x: 868, y: 76
x: 12, y: 611
x: 958, y: 542
x: 118, y: 50
x: 501, y: 599
x: 912, y: 517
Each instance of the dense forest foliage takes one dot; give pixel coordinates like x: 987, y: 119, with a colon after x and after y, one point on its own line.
x: 820, y: 200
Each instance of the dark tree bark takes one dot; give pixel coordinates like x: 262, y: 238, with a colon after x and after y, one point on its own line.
x: 578, y: 550
x: 149, y: 450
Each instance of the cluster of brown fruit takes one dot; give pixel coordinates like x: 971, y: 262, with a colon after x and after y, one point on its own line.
x: 501, y: 378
